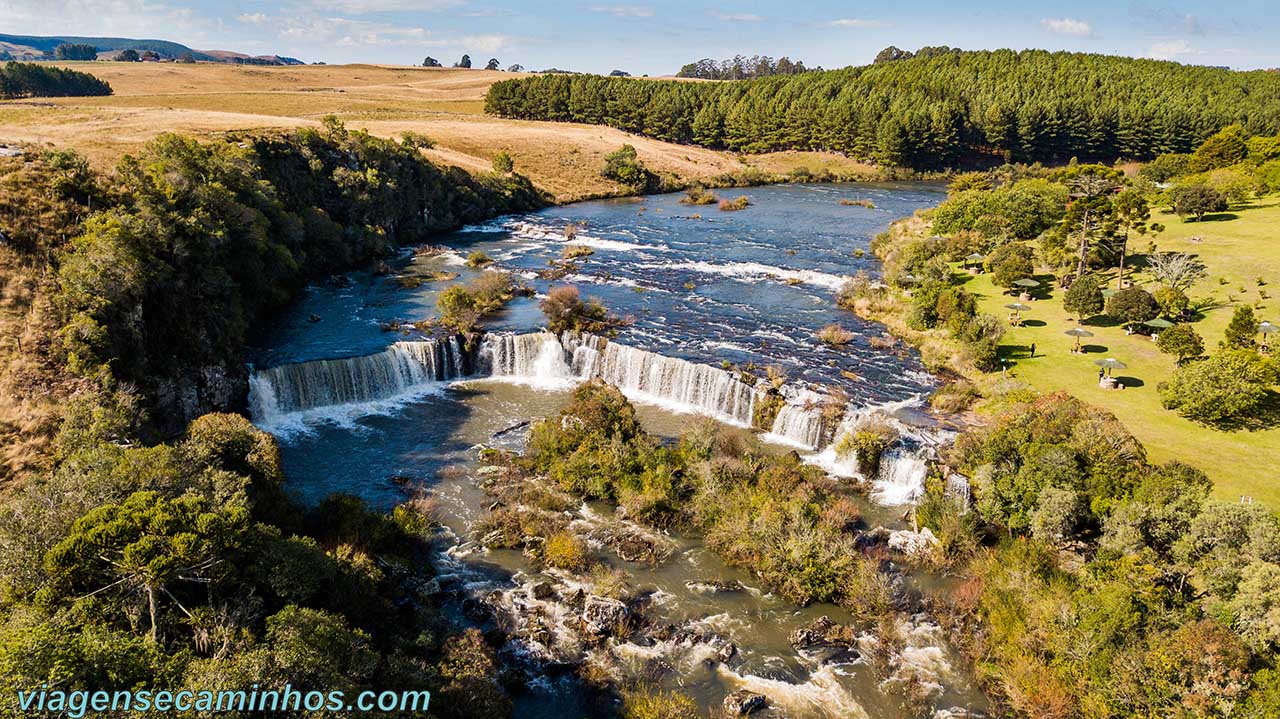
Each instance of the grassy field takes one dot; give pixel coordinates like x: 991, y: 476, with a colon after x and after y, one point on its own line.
x: 443, y: 103
x: 1240, y: 247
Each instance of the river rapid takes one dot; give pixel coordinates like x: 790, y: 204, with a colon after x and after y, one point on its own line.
x: 362, y: 410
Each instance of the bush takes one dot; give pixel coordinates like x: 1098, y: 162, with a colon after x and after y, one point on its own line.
x: 624, y: 166
x: 645, y: 703
x: 563, y: 550
x: 1132, y: 305
x: 698, y: 195
x: 565, y: 310
x: 867, y: 444
x: 478, y: 258
x: 461, y: 307
x: 1228, y: 389
x: 741, y: 202
x: 835, y: 335
x: 1182, y: 341
x: 954, y: 397
x: 503, y: 163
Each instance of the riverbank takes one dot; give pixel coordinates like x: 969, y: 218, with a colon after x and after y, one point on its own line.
x: 1228, y: 457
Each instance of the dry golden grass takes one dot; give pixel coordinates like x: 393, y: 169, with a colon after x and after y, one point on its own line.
x: 444, y: 104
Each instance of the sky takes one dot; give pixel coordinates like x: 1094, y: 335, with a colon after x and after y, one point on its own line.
x: 657, y: 37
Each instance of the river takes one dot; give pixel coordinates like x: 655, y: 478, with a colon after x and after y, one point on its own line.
x: 366, y: 411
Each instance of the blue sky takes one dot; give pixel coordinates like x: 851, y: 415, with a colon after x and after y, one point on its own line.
x: 656, y: 37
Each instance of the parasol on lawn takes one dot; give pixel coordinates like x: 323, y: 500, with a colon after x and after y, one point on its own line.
x: 1078, y: 333
x: 1110, y: 364
x: 1026, y: 282
x: 1018, y: 308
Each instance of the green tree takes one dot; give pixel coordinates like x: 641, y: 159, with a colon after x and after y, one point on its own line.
x: 1242, y: 329
x: 430, y: 62
x: 465, y: 62
x: 75, y: 51
x: 1197, y: 200
x: 128, y: 55
x: 493, y: 64
x: 146, y: 546
x: 1227, y: 389
x: 1130, y: 213
x: 1172, y: 301
x: 1009, y: 263
x: 1225, y: 147
x: 503, y: 163
x: 1084, y: 297
x: 1182, y: 341
x: 624, y: 166
x: 1132, y: 305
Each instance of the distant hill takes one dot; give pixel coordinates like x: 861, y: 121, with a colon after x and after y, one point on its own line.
x: 38, y: 46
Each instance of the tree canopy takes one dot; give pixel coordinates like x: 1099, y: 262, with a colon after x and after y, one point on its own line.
x: 928, y: 110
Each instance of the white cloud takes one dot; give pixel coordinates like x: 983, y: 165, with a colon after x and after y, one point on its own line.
x: 1170, y: 50
x: 734, y: 17
x: 624, y: 10
x: 1067, y: 26
x: 256, y: 18
x: 365, y: 7
x: 858, y: 22
x: 128, y: 18
x: 346, y: 32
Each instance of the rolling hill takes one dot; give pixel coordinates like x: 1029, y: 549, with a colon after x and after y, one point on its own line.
x: 39, y: 45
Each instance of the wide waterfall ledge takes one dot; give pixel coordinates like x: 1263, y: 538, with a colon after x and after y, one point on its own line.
x: 292, y: 397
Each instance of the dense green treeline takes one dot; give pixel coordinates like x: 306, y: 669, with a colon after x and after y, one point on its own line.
x: 927, y: 112
x: 28, y: 79
x: 198, y: 241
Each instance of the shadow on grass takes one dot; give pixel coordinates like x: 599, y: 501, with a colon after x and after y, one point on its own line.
x: 1131, y: 381
x: 1033, y: 323
x: 1093, y: 349
x: 1217, y: 217
x: 1102, y: 321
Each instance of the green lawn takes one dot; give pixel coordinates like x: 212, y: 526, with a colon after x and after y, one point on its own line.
x: 1241, y: 246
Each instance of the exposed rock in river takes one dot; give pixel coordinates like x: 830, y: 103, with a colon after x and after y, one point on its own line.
x: 743, y: 702
x: 602, y: 616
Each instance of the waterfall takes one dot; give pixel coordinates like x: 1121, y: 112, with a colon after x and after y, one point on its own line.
x: 902, y: 474
x: 401, y: 368
x: 536, y: 358
x: 675, y: 383
x: 798, y: 424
